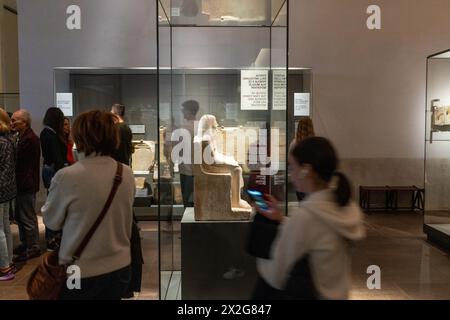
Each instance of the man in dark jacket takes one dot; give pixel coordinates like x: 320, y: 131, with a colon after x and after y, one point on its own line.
x: 27, y: 176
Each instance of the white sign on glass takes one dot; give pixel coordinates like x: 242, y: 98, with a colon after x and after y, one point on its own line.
x: 254, y: 90
x: 302, y: 104
x: 137, y: 129
x: 64, y: 101
x: 279, y: 90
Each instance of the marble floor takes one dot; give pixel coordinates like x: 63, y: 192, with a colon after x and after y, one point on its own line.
x: 16, y: 289
x: 411, y: 268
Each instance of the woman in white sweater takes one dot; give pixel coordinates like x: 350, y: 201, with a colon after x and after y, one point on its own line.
x: 315, y: 240
x: 77, y: 196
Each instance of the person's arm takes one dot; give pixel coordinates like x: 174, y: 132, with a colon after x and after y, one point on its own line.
x: 289, y: 246
x: 55, y: 208
x: 44, y: 141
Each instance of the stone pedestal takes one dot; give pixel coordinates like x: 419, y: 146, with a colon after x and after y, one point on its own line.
x: 214, y: 263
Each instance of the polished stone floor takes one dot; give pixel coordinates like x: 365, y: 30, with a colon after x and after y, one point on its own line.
x: 410, y: 267
x: 16, y: 289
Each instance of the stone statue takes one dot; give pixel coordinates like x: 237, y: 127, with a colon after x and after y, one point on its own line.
x: 218, y: 179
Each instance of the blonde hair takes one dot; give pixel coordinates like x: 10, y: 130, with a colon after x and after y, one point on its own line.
x: 4, y: 122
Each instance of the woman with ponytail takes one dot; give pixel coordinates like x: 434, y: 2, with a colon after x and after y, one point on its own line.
x: 310, y: 257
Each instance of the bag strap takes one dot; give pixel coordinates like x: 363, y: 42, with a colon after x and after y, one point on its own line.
x: 117, y: 181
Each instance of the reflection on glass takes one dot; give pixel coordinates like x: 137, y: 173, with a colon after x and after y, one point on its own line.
x: 225, y: 12
x: 223, y: 82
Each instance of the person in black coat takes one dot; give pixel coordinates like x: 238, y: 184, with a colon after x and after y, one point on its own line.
x: 54, y: 152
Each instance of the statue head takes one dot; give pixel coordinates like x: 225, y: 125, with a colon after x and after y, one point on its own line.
x: 206, y: 128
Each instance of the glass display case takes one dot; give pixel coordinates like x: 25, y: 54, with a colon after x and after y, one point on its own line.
x: 78, y: 90
x: 437, y: 149
x: 223, y: 87
x: 300, y: 109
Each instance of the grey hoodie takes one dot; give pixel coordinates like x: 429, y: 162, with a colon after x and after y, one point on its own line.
x: 323, y: 230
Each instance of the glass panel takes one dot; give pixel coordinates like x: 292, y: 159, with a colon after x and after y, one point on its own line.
x: 228, y: 89
x: 164, y: 12
x: 438, y: 99
x: 279, y: 13
x: 84, y: 89
x: 437, y: 145
x: 224, y: 12
x: 300, y: 108
x: 278, y: 114
x: 168, y: 183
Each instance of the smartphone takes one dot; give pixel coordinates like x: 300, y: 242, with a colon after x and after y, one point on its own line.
x: 258, y: 198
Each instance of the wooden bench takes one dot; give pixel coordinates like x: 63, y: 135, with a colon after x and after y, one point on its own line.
x: 417, y: 198
x: 366, y: 194
x: 391, y: 198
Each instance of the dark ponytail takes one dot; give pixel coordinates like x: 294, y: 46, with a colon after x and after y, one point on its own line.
x: 343, y: 191
x: 320, y: 154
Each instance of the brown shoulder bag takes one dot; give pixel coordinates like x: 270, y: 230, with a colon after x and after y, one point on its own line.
x: 47, y: 281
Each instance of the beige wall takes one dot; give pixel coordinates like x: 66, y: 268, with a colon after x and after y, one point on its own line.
x: 9, y: 56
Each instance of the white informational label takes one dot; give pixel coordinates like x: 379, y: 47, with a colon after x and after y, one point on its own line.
x: 176, y: 12
x: 254, y: 90
x: 142, y: 193
x: 141, y: 172
x: 302, y: 104
x: 64, y: 101
x: 138, y: 129
x: 279, y: 90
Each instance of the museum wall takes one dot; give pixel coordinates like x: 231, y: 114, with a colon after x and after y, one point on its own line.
x: 369, y: 86
x: 114, y: 33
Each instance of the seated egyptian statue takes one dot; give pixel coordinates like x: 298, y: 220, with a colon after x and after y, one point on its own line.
x: 218, y: 179
x: 143, y: 157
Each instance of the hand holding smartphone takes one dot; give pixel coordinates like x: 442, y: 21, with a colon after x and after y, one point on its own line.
x: 258, y: 198
x: 266, y: 205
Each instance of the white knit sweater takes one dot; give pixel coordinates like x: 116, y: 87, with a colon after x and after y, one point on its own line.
x: 77, y: 195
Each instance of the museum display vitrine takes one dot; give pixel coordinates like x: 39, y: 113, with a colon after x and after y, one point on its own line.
x: 209, y: 121
x: 437, y: 149
x: 300, y: 110
x: 78, y: 90
x: 222, y: 68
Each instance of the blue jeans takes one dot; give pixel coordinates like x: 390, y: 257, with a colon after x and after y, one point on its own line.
x: 109, y: 286
x: 6, y: 245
